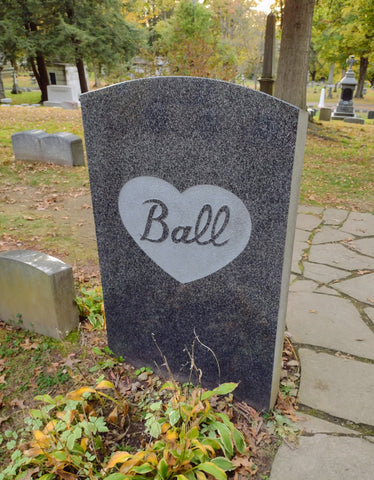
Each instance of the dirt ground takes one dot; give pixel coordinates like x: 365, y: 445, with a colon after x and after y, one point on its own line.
x: 52, y: 221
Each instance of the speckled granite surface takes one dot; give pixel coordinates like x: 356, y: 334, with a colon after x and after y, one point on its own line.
x: 190, y: 132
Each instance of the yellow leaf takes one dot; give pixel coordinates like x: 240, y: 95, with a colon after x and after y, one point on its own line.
x: 84, y: 444
x: 171, y: 435
x: 118, y: 457
x: 151, y: 458
x: 104, y: 384
x: 133, y: 462
x: 78, y: 394
x: 201, y: 447
x: 50, y: 426
x: 165, y: 427
x: 41, y: 439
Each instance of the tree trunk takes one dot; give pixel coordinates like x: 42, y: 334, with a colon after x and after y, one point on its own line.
x: 82, y: 76
x: 364, y: 63
x: 292, y: 74
x: 42, y: 79
x: 43, y: 76
x: 40, y: 69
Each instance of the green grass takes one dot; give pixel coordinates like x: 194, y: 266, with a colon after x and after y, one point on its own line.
x: 338, y: 166
x: 24, y: 97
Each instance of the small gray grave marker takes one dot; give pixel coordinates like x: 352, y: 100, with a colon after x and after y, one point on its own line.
x: 63, y: 148
x: 60, y: 148
x: 37, y: 293
x: 195, y: 187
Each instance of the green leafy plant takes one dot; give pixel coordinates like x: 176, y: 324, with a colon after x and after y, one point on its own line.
x: 90, y: 306
x: 67, y: 435
x: 282, y: 426
x: 189, y: 440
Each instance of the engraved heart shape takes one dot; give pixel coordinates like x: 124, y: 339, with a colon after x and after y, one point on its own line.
x: 190, y: 235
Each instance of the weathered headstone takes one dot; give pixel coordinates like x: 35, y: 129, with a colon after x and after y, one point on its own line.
x: 63, y: 148
x: 325, y: 114
x: 60, y: 148
x: 195, y: 187
x: 27, y: 146
x: 37, y: 293
x: 371, y: 115
x: 62, y: 96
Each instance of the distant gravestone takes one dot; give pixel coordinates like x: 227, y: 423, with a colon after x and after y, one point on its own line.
x: 37, y: 293
x: 325, y: 114
x: 195, y: 187
x: 27, y: 145
x: 371, y: 114
x: 63, y: 148
x: 60, y: 148
x: 64, y: 96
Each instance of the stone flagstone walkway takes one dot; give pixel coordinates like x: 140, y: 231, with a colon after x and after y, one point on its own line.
x: 331, y: 321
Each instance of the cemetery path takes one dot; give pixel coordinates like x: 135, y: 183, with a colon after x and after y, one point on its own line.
x: 331, y: 321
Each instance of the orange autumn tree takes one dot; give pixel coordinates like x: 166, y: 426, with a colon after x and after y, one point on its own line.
x: 191, y: 43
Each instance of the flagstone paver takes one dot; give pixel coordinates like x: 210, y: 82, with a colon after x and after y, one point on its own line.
x: 341, y: 387
x: 361, y: 288
x: 337, y: 255
x: 323, y: 273
x: 329, y: 234
x: 325, y: 457
x: 361, y: 224
x: 365, y: 246
x: 330, y: 322
x: 307, y: 222
x: 334, y: 216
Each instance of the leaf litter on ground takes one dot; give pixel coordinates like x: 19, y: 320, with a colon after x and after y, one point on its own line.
x: 77, y: 357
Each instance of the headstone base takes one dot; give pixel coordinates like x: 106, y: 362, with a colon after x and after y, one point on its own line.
x: 267, y: 85
x: 354, y: 120
x: 341, y: 116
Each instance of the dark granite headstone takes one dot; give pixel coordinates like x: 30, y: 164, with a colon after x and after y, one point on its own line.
x: 195, y: 186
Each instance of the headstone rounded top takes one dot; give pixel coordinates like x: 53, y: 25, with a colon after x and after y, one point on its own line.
x: 178, y: 83
x: 41, y: 261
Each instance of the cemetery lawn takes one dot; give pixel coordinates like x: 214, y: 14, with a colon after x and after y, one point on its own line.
x: 339, y: 166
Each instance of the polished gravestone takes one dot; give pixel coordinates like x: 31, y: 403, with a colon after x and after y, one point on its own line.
x: 195, y: 185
